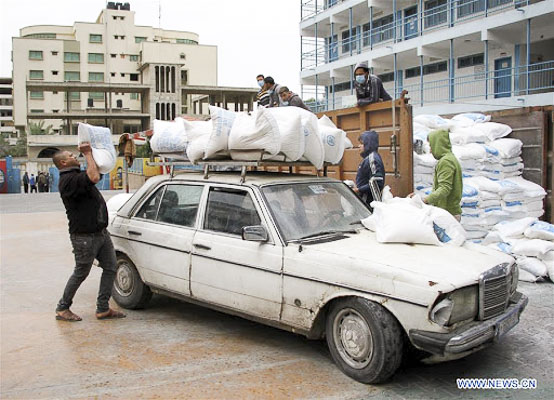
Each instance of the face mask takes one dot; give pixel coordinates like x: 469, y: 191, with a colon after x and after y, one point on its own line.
x: 285, y: 103
x: 360, y: 78
x: 260, y: 83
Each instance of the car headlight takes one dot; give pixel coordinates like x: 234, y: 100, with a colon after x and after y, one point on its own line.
x: 456, y: 306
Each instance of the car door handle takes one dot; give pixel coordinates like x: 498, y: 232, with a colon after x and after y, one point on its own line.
x: 134, y: 233
x: 201, y: 246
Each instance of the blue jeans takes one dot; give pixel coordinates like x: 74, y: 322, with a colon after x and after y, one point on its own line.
x: 87, y: 247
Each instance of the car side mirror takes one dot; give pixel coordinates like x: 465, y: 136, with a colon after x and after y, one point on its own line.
x: 256, y: 233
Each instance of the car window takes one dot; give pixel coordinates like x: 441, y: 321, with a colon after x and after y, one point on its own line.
x: 179, y: 204
x: 149, y: 209
x: 229, y: 210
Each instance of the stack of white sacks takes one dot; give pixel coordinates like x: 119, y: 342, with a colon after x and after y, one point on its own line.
x: 283, y: 134
x: 494, y: 191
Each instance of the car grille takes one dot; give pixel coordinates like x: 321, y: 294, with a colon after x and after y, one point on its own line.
x: 494, y: 291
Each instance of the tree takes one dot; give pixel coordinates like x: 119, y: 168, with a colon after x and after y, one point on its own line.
x: 17, y: 150
x: 37, y: 128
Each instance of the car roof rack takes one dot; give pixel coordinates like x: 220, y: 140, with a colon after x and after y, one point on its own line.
x: 208, y: 165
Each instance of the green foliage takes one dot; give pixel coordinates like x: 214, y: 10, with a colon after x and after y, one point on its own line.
x: 144, y: 151
x: 17, y: 150
x: 38, y: 128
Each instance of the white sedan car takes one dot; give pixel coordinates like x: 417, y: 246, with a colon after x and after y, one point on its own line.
x: 290, y: 251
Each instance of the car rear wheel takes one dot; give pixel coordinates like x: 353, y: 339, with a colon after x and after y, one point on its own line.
x: 364, y: 339
x: 129, y: 291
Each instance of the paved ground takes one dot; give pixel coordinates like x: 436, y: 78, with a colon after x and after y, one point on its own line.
x: 177, y: 350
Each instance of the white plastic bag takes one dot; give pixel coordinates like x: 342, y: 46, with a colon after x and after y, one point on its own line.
x: 291, y: 133
x: 103, y: 150
x: 255, y: 132
x: 169, y: 137
x: 332, y: 139
x: 222, y: 122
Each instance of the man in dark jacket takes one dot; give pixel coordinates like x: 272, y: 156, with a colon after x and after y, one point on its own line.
x: 273, y: 91
x: 289, y: 98
x: 88, y: 218
x: 26, y: 182
x: 369, y: 88
x: 371, y: 166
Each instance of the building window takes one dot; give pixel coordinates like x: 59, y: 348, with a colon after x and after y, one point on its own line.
x: 54, y: 92
x: 182, y: 56
x: 133, y: 57
x: 71, y: 57
x: 434, y: 68
x: 139, y: 39
x: 470, y: 61
x: 74, y: 96
x: 119, y: 37
x: 134, y: 77
x: 96, y: 77
x: 54, y: 72
x: 382, y: 29
x: 134, y: 96
x: 96, y: 58
x: 122, y: 75
x: 112, y: 73
x: 37, y: 111
x: 35, y: 74
x: 113, y: 55
x: 55, y: 111
x: 95, y: 38
x: 41, y: 36
x: 119, y: 103
x: 54, y: 53
x: 412, y: 72
x: 96, y: 95
x: 37, y: 95
x: 35, y: 55
x: 435, y: 12
x: 339, y: 87
x: 71, y: 76
x: 186, y: 41
x: 389, y: 77
x: 184, y: 77
x: 348, y: 41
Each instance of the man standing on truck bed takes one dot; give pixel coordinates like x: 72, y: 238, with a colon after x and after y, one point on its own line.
x: 262, y: 97
x: 447, y: 182
x: 88, y: 218
x: 369, y: 88
x: 291, y: 99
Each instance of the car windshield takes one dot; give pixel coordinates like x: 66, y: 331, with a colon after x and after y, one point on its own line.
x: 307, y: 209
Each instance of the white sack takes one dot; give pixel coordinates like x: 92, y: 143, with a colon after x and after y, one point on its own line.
x: 314, y: 151
x: 530, y: 189
x: 432, y: 121
x: 463, y: 135
x: 540, y: 230
x: 369, y: 222
x: 493, y: 130
x: 508, y: 147
x: 103, y: 150
x: 469, y: 119
x: 513, y: 229
x: 169, y: 137
x: 255, y: 132
x: 446, y: 227
x: 222, y: 122
x: 197, y: 147
x: 425, y: 159
x: 526, y: 276
x: 291, y: 132
x: 471, y: 151
x: 348, y: 143
x: 532, y: 265
x: 531, y: 247
x: 332, y: 139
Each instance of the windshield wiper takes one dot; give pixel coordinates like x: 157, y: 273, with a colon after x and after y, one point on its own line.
x: 328, y: 232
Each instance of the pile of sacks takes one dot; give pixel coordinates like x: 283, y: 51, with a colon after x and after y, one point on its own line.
x: 491, y: 164
x: 409, y: 220
x: 530, y: 242
x: 282, y: 134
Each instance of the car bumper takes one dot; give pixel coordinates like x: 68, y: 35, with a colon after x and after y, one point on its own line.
x: 473, y: 335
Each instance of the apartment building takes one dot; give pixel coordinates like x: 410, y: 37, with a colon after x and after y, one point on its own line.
x: 7, y: 128
x: 108, y: 72
x: 450, y: 55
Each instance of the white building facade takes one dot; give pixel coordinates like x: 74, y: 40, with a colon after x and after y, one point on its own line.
x: 7, y: 128
x: 450, y: 55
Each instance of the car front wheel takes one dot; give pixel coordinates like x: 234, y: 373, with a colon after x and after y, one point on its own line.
x: 129, y: 291
x: 364, y: 339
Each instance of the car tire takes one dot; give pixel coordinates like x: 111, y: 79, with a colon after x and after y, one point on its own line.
x: 129, y: 291
x: 364, y: 339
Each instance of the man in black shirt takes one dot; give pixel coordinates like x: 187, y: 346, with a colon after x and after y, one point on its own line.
x: 88, y: 218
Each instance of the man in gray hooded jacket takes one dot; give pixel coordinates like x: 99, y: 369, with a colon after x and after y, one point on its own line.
x: 369, y: 88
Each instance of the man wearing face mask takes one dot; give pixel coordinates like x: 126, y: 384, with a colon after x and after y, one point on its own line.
x: 289, y: 98
x: 273, y: 91
x: 262, y: 97
x: 369, y: 88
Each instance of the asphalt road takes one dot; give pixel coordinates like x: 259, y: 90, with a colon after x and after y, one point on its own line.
x: 177, y: 350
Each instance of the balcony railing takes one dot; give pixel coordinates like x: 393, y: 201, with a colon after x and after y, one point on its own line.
x: 508, y: 82
x: 310, y: 8
x: 319, y: 51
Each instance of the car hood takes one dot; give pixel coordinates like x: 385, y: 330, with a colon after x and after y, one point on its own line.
x: 433, y: 268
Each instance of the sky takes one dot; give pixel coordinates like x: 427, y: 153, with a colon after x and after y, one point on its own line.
x: 252, y: 36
